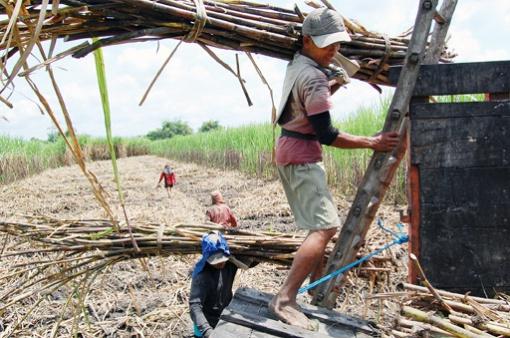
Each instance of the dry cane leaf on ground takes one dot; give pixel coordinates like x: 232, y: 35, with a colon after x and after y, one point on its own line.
x: 150, y: 295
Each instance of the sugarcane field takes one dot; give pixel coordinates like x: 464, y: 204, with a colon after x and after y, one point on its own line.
x: 239, y: 168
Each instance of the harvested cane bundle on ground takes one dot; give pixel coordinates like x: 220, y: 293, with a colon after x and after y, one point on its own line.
x: 123, y: 299
x: 422, y: 314
x: 234, y: 25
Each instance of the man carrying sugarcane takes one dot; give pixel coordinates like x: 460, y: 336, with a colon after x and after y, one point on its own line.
x: 220, y: 213
x: 304, y: 116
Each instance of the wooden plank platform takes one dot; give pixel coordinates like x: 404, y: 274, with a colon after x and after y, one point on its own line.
x: 248, y: 316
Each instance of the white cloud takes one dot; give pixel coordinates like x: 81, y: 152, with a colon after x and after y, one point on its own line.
x: 464, y: 43
x: 467, y: 11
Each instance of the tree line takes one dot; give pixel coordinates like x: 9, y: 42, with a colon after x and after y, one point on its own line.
x: 170, y: 129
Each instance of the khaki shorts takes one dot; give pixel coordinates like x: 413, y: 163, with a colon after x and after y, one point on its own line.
x: 308, y: 195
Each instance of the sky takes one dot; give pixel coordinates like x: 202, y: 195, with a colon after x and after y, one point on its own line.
x: 194, y: 88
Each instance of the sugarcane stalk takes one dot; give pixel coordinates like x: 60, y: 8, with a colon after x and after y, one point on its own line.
x: 474, y: 330
x: 494, y: 327
x: 411, y: 323
x: 428, y: 284
x: 247, y: 31
x: 397, y: 333
x: 371, y: 52
x: 277, y: 14
x: 255, y: 21
x: 394, y: 42
x: 439, y: 322
x: 372, y: 46
x: 482, y: 311
x: 413, y: 287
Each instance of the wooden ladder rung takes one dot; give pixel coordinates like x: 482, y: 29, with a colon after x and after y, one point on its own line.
x: 439, y: 18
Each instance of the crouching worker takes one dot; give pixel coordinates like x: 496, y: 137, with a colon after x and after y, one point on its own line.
x: 211, y: 285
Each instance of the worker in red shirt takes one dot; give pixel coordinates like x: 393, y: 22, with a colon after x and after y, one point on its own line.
x: 220, y: 213
x: 168, y: 176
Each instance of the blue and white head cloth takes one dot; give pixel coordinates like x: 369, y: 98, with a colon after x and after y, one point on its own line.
x: 212, y: 243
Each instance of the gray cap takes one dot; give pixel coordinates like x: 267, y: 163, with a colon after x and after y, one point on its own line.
x: 325, y: 26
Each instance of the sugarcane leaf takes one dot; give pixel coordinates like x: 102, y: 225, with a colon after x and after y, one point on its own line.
x: 30, y: 45
x: 103, y: 90
x: 101, y: 234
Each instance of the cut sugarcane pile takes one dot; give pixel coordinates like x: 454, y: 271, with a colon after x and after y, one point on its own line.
x: 101, y: 239
x: 85, y: 247
x: 234, y: 25
x: 461, y: 315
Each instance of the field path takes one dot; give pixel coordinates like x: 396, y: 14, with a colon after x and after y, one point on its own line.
x: 129, y: 300
x: 65, y: 193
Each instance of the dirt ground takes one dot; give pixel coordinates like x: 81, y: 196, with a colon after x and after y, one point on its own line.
x: 133, y: 299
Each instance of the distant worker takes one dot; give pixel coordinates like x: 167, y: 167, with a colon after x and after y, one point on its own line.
x: 220, y: 213
x: 304, y: 116
x: 168, y: 176
x: 212, y: 281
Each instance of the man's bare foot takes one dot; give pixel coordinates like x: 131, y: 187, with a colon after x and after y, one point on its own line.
x: 288, y: 313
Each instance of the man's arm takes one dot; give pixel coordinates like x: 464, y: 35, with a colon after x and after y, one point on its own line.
x: 329, y: 135
x: 380, y: 142
x: 244, y: 262
x: 196, y: 301
x: 334, y: 86
x: 232, y: 220
x: 208, y: 215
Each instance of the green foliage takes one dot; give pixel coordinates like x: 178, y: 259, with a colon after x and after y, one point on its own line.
x: 20, y: 158
x: 459, y: 98
x: 249, y: 149
x: 52, y: 136
x: 111, y: 142
x: 136, y: 146
x: 101, y: 234
x: 170, y: 129
x: 209, y: 126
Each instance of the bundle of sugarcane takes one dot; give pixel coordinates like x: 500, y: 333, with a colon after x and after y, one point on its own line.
x: 103, y: 239
x: 234, y: 25
x: 439, y: 313
x: 74, y: 237
x: 79, y: 250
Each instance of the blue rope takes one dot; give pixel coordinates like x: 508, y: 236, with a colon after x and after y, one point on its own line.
x: 399, y: 238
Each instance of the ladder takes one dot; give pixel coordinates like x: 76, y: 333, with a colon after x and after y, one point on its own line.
x: 383, y: 166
